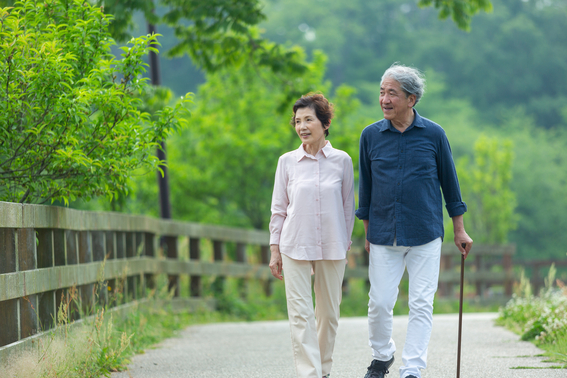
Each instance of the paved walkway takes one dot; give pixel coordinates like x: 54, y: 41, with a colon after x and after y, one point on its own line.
x: 263, y: 350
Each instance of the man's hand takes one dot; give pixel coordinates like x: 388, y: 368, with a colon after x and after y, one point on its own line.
x: 463, y: 239
x: 276, y: 262
x: 461, y: 236
x: 366, y: 242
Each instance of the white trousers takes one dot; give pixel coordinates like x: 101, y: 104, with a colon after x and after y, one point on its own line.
x: 387, y: 265
x: 313, y: 332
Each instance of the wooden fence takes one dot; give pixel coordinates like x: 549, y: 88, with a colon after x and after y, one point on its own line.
x: 47, y: 252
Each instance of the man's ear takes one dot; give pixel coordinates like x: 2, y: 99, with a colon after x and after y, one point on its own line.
x: 412, y: 98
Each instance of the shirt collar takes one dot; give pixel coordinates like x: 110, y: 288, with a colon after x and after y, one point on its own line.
x: 301, y: 153
x: 417, y: 122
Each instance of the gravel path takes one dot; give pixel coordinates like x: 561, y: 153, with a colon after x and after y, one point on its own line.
x: 263, y: 349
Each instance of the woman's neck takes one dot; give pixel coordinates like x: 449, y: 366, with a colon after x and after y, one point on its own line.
x: 313, y: 149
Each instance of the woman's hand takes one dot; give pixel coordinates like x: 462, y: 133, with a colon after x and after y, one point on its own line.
x: 276, y: 262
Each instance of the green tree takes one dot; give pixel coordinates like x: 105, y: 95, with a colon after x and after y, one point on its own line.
x: 460, y: 11
x: 219, y: 33
x: 215, y: 33
x: 222, y: 166
x: 69, y: 120
x: 486, y: 188
x: 513, y: 56
x: 540, y: 184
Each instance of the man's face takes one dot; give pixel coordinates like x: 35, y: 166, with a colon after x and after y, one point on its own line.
x: 394, y: 102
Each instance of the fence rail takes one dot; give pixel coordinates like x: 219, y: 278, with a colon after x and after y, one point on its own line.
x: 47, y: 251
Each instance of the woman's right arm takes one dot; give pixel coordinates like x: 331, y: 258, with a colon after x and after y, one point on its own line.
x: 280, y: 202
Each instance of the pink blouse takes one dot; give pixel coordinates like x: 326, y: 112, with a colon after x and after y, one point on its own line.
x: 313, y: 204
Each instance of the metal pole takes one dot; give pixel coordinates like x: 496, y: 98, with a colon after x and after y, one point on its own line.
x: 163, y: 181
x: 461, y: 312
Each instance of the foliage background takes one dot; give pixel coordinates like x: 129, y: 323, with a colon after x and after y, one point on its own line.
x: 506, y: 80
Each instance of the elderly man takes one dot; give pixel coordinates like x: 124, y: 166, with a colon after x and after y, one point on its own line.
x: 404, y: 160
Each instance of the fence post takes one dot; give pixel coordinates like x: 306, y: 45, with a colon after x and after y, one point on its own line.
x: 241, y: 258
x: 120, y: 245
x: 27, y: 260
x: 59, y: 247
x: 149, y: 240
x: 139, y: 252
x: 9, y: 329
x: 265, y: 260
x: 171, y: 245
x: 45, y: 259
x: 195, y: 254
x: 86, y: 256
x: 218, y: 255
x: 130, y: 289
x: 44, y: 248
x: 99, y: 254
x: 67, y: 253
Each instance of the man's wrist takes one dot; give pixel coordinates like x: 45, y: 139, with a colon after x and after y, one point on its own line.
x: 458, y: 225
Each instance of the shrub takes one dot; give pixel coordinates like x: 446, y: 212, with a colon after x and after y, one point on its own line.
x: 70, y: 124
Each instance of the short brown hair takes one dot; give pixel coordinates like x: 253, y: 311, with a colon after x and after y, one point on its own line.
x: 324, y: 110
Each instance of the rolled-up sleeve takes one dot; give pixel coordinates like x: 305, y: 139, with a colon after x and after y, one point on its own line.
x: 280, y: 202
x: 365, y: 180
x: 348, y: 199
x: 449, y: 181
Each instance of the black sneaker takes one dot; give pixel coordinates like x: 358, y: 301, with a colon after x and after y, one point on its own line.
x: 379, y: 369
x: 411, y: 376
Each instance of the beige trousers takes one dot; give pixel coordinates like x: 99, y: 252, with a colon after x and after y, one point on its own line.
x: 313, y: 332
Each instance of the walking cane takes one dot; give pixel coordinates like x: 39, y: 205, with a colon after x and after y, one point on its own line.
x: 464, y: 245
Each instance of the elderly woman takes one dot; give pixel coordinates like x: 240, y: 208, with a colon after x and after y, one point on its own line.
x: 310, y: 233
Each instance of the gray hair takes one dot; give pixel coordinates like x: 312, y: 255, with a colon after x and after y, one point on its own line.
x: 411, y: 80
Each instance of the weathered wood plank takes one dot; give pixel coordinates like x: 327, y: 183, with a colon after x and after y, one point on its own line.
x: 7, y: 250
x: 20, y: 284
x: 10, y: 215
x: 40, y: 216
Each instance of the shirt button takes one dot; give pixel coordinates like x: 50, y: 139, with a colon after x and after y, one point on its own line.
x: 398, y: 184
x: 400, y: 167
x: 317, y: 199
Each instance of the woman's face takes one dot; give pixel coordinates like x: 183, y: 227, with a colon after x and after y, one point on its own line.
x: 308, y: 126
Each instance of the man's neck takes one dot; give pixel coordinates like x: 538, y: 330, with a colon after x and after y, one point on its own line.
x: 402, y: 124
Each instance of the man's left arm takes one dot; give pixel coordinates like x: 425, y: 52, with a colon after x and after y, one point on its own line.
x: 452, y: 194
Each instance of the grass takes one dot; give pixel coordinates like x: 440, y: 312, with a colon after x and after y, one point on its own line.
x: 541, y: 319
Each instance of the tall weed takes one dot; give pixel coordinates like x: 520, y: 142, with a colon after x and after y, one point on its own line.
x: 539, y: 318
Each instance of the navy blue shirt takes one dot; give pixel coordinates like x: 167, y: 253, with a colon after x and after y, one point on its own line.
x: 400, y: 183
